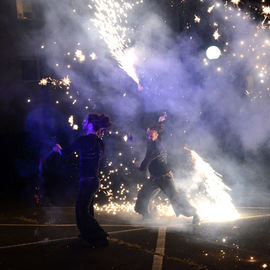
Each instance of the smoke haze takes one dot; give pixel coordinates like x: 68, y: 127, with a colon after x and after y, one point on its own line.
x: 207, y: 106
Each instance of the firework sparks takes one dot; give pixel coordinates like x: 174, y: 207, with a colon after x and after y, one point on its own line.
x: 197, y: 19
x: 80, y: 56
x: 266, y: 13
x: 266, y: 10
x: 114, y: 14
x: 235, y: 2
x: 66, y: 81
x: 209, y: 193
x: 115, y: 208
x: 93, y: 56
x: 216, y: 35
x: 210, y: 9
x: 71, y: 120
x: 43, y: 81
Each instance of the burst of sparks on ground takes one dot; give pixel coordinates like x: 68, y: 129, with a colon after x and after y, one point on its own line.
x: 208, y: 194
x: 115, y: 208
x: 114, y: 14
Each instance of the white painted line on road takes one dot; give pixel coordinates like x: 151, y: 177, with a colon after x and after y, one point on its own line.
x: 257, y: 216
x: 254, y: 207
x: 62, y: 239
x: 66, y: 225
x: 230, y: 221
x: 130, y: 230
x: 38, y: 242
x: 160, y: 249
x: 36, y: 225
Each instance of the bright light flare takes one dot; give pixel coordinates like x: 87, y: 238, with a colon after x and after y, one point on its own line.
x: 213, y: 52
x: 235, y: 2
x: 208, y: 194
x: 266, y: 10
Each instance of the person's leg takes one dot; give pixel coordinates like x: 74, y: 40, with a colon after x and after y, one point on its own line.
x: 91, y: 208
x: 143, y: 198
x: 88, y: 226
x: 179, y: 203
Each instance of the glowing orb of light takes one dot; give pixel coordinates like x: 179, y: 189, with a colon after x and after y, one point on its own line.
x: 213, y: 52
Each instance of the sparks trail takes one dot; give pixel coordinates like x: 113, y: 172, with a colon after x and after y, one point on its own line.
x: 208, y: 194
x: 114, y: 14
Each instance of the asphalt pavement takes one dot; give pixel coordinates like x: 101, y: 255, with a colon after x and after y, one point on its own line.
x: 46, y: 238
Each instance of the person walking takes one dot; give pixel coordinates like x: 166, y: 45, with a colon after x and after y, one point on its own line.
x: 91, y: 149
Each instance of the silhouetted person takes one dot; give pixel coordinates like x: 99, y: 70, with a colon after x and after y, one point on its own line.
x: 91, y: 148
x: 161, y: 177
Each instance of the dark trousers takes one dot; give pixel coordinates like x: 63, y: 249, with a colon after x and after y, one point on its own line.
x: 89, y: 228
x: 166, y: 184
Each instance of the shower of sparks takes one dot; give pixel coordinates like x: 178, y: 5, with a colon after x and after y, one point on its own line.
x: 208, y: 194
x: 253, y: 48
x: 115, y: 208
x: 111, y: 22
x: 65, y: 82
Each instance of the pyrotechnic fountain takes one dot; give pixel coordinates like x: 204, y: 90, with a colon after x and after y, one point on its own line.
x: 115, y: 15
x: 208, y: 194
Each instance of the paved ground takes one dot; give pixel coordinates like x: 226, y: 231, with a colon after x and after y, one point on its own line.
x: 47, y: 239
